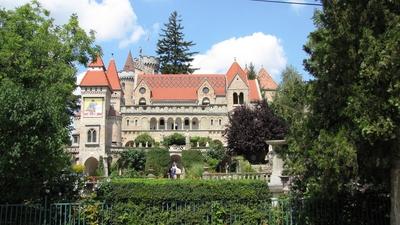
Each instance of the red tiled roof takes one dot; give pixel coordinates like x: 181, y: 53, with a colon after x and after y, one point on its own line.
x: 95, y: 78
x: 181, y: 86
x: 129, y: 64
x: 266, y: 81
x: 97, y: 63
x: 254, y: 92
x: 233, y: 70
x: 112, y: 76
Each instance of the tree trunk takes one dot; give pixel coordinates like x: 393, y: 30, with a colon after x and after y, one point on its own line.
x: 395, y: 187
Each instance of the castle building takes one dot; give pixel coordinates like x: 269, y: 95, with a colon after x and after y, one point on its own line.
x: 116, y: 107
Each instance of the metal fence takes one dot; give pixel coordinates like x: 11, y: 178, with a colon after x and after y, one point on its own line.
x: 362, y: 211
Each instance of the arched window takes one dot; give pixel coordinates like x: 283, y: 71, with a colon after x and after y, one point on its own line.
x: 135, y: 122
x: 127, y: 123
x: 212, y: 122
x: 220, y: 122
x: 142, y: 101
x: 91, y: 136
x: 235, y: 98
x: 206, y: 101
x: 241, y: 98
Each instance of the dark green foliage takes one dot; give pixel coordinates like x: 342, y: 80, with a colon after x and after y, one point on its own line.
x: 165, y: 190
x: 174, y: 139
x: 143, y: 138
x: 251, y: 74
x: 250, y: 127
x: 132, y: 159
x: 157, y: 161
x: 350, y: 112
x: 199, y: 213
x: 191, y: 157
x: 37, y: 78
x: 173, y: 52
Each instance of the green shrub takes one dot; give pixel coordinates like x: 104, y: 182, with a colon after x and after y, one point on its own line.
x: 201, y: 140
x: 174, y: 139
x: 164, y: 190
x: 244, y: 165
x: 157, y: 161
x: 132, y: 159
x: 165, y: 201
x: 195, y: 171
x: 143, y: 138
x: 190, y: 157
x: 100, y: 167
x: 78, y: 168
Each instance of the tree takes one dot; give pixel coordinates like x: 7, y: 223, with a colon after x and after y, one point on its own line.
x: 251, y: 74
x: 37, y: 77
x: 173, y: 52
x: 174, y: 139
x: 144, y: 138
x: 354, y: 100
x: 250, y: 126
x: 132, y: 159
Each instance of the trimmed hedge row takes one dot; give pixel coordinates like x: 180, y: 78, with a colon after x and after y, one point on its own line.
x: 164, y: 190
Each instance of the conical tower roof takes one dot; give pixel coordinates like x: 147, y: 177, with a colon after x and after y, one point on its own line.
x: 129, y: 64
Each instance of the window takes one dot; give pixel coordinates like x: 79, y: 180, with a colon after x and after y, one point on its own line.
x: 186, y: 122
x: 161, y: 122
x: 142, y: 101
x: 91, y: 136
x: 206, y: 90
x: 127, y: 123
x: 75, y: 139
x: 235, y: 98
x: 142, y: 90
x: 241, y: 98
x: 135, y: 122
x: 212, y: 122
x: 206, y: 101
x: 220, y: 122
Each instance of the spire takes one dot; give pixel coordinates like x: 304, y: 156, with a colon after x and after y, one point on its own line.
x: 98, y: 62
x: 129, y: 64
x: 112, y: 76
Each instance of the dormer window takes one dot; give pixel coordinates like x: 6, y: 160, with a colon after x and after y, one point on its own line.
x: 206, y: 101
x: 142, y: 101
x: 206, y: 90
x: 142, y: 90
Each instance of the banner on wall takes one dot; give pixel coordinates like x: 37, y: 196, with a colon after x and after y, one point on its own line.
x: 93, y: 107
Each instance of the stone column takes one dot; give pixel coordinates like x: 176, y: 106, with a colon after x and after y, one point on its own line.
x: 105, y: 163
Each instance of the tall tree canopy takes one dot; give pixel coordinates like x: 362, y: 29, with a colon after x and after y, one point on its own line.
x: 354, y: 112
x: 173, y: 51
x: 37, y: 77
x: 250, y: 126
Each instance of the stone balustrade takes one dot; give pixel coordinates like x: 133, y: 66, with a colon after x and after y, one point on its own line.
x: 237, y: 176
x: 72, y: 150
x: 168, y: 109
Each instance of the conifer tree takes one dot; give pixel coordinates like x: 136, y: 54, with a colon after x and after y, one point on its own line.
x: 173, y: 51
x: 251, y: 75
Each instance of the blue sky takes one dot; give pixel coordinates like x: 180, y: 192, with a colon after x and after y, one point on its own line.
x: 270, y: 35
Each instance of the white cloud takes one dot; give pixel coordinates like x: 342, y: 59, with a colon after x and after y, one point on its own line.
x: 111, y: 19
x: 79, y: 78
x: 259, y: 48
x: 297, y: 7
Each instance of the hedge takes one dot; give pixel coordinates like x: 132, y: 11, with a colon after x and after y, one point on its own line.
x: 191, y: 157
x: 165, y: 190
x: 157, y: 161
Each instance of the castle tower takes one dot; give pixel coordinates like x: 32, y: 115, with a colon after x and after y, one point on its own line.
x: 93, y: 128
x: 127, y: 77
x: 114, y: 116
